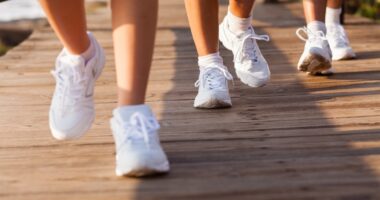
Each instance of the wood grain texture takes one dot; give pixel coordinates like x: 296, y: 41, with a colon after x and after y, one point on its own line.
x: 300, y: 137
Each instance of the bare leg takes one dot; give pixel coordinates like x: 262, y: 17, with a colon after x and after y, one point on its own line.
x: 67, y: 18
x: 203, y: 19
x: 336, y: 4
x: 134, y: 27
x: 315, y: 10
x: 241, y: 8
x: 71, y: 121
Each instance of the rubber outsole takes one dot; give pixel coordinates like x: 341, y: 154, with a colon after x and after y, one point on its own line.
x: 251, y: 81
x: 213, y: 103
x: 346, y: 57
x: 314, y: 63
x: 59, y: 135
x: 145, y: 171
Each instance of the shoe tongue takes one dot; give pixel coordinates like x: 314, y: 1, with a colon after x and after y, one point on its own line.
x: 216, y: 72
x: 249, y: 31
x: 249, y: 44
x: 124, y: 113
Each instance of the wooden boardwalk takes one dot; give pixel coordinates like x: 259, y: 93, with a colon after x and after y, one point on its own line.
x: 300, y: 137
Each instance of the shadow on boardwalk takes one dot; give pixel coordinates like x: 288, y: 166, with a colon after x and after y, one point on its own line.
x: 277, y: 142
x: 299, y: 137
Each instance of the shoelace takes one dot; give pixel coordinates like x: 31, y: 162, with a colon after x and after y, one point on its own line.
x: 70, y: 86
x: 213, y: 80
x: 314, y: 37
x: 140, y: 126
x: 249, y: 52
x: 339, y: 36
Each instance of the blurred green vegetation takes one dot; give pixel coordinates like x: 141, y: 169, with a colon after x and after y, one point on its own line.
x: 366, y: 8
x: 3, y: 49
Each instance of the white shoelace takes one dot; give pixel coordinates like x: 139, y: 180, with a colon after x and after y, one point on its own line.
x: 213, y: 77
x: 339, y: 36
x: 314, y: 37
x: 71, y: 86
x: 247, y: 49
x: 140, y: 126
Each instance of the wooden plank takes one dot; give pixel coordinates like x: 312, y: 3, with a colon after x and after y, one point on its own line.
x: 300, y: 137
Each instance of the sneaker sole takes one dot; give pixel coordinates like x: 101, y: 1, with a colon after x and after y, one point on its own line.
x: 314, y: 63
x: 59, y: 135
x: 251, y: 82
x: 322, y: 73
x: 346, y: 57
x: 213, y: 103
x: 144, y: 171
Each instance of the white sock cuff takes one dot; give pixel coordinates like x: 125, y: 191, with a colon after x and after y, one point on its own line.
x: 315, y: 26
x: 333, y: 15
x: 233, y: 17
x: 89, y: 53
x: 204, y: 61
x: 125, y: 112
x: 236, y: 24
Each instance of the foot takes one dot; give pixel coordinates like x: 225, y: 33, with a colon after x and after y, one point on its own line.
x: 72, y: 109
x: 138, y: 149
x: 339, y: 43
x: 316, y: 58
x: 250, y: 65
x: 213, y: 87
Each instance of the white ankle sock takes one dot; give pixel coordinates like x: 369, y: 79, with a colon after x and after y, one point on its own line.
x: 204, y: 61
x: 89, y: 53
x: 333, y: 16
x: 238, y: 25
x: 86, y: 55
x: 125, y: 112
x: 315, y: 26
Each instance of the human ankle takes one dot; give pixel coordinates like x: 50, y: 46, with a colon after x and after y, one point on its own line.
x: 87, y: 54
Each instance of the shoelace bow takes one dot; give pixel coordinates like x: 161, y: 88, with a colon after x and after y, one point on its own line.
x: 70, y: 85
x: 251, y: 51
x: 213, y: 80
x: 140, y: 126
x: 311, y: 36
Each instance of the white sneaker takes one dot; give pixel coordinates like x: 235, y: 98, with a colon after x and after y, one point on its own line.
x: 138, y: 149
x: 250, y: 65
x: 72, y: 109
x: 316, y: 57
x: 213, y: 87
x: 339, y: 43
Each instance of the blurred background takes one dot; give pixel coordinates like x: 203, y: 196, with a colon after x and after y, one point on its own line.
x: 366, y: 8
x: 18, y: 18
